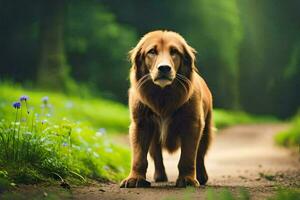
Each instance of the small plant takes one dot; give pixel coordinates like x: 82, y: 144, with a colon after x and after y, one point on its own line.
x: 268, y: 177
x: 30, y: 146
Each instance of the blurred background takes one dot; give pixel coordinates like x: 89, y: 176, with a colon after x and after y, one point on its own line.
x: 248, y: 51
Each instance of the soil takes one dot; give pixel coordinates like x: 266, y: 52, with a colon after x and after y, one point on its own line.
x: 242, y: 157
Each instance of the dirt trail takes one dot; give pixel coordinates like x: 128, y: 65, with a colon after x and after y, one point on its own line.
x: 241, y: 156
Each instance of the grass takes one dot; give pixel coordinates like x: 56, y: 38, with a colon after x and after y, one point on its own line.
x: 290, y: 137
x: 225, y: 118
x: 286, y: 194
x: 93, y: 112
x: 241, y: 194
x: 44, y: 140
x: 225, y: 194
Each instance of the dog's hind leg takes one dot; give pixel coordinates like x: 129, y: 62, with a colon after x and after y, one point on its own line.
x: 156, y: 153
x: 205, y: 140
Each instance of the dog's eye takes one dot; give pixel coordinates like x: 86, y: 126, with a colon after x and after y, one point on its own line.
x: 152, y: 52
x: 173, y: 52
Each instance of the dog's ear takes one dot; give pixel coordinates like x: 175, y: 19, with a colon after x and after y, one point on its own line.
x: 135, y: 57
x: 137, y: 60
x: 189, y: 57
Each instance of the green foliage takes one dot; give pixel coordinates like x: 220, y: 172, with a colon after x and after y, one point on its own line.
x: 224, y: 118
x: 4, y: 182
x: 94, y: 112
x: 269, y: 53
x: 97, y: 48
x: 36, y: 146
x: 286, y: 194
x: 220, y: 27
x: 290, y: 137
x: 225, y: 194
x: 38, y: 194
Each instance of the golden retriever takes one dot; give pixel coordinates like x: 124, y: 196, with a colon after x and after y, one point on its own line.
x: 170, y: 107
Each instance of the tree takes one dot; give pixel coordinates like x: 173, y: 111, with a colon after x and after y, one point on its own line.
x: 53, y: 72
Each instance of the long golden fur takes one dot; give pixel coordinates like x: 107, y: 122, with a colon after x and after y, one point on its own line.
x: 170, y: 106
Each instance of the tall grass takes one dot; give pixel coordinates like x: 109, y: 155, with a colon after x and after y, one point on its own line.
x: 33, y: 148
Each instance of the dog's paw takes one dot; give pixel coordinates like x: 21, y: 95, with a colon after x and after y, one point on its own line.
x: 134, y: 182
x: 186, y: 181
x: 160, y: 177
x: 202, y: 178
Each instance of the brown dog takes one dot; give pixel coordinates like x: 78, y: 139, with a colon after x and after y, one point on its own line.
x: 171, y: 107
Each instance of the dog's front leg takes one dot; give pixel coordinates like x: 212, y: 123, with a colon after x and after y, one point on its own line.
x: 187, y: 163
x: 140, y: 138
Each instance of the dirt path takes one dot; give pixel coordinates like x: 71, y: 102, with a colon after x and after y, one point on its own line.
x: 241, y: 157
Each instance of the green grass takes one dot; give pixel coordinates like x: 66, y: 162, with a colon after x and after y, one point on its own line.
x: 94, y: 112
x: 226, y: 194
x: 290, y: 137
x: 286, y: 194
x: 241, y: 194
x: 224, y: 118
x: 64, y: 138
x: 281, y: 194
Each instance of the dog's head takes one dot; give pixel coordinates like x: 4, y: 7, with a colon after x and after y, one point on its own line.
x: 162, y: 56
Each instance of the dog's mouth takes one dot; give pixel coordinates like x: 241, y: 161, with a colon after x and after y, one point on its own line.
x: 163, y: 78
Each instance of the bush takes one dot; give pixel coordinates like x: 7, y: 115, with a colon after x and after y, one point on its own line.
x: 290, y: 137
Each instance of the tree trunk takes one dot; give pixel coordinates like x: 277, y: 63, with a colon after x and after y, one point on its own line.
x: 52, y: 70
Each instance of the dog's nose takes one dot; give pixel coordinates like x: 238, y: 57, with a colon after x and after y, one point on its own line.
x: 164, y: 69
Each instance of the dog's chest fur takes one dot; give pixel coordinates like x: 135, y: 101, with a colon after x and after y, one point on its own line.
x: 163, y: 125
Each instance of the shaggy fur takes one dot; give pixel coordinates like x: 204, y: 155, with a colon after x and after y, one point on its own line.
x: 169, y: 112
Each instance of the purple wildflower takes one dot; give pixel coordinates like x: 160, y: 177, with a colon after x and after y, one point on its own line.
x: 17, y: 105
x: 101, y: 132
x: 45, y: 99
x: 105, y: 167
x: 24, y: 98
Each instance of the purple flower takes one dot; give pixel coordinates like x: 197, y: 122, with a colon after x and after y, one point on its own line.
x: 24, y: 98
x: 101, y: 132
x: 17, y: 105
x: 45, y: 99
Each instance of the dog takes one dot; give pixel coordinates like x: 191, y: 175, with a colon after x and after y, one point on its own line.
x: 170, y: 107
